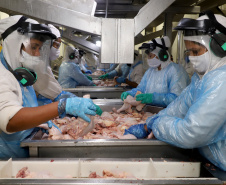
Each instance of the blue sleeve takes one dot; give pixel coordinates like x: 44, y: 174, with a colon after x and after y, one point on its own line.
x: 79, y: 77
x: 141, y: 86
x: 64, y: 94
x: 112, y: 67
x: 112, y: 74
x: 200, y: 122
x: 179, y: 79
x: 125, y: 70
x: 43, y: 100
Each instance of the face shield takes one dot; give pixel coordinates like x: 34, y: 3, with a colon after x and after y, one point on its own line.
x: 35, y: 51
x: 194, y: 48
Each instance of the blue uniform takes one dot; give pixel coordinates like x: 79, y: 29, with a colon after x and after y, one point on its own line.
x: 122, y: 72
x: 197, y: 118
x: 10, y: 143
x: 165, y: 84
x: 71, y: 76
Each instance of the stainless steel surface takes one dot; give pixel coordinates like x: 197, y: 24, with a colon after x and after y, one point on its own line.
x: 149, y: 13
x: 203, y: 178
x: 98, y: 92
x: 119, y: 47
x: 103, y: 148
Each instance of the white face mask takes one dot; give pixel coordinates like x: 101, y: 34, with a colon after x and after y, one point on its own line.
x: 200, y: 63
x: 154, y: 62
x: 54, y: 53
x: 33, y: 63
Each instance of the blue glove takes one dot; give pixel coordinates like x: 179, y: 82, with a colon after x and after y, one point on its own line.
x: 50, y: 123
x: 88, y: 72
x: 77, y: 107
x: 64, y: 94
x: 150, y: 121
x: 121, y: 80
x: 137, y: 130
x: 124, y: 95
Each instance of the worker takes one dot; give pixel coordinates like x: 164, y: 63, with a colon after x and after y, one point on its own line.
x: 164, y: 80
x: 197, y: 118
x: 26, y: 48
x: 112, y: 67
x: 122, y: 70
x: 70, y: 75
x: 135, y: 74
x: 82, y: 62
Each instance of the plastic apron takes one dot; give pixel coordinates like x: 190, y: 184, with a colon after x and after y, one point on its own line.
x: 10, y: 143
x: 132, y: 68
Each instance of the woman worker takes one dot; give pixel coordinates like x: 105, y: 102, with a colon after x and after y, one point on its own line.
x: 26, y: 48
x: 70, y: 75
x: 197, y: 118
x: 164, y: 80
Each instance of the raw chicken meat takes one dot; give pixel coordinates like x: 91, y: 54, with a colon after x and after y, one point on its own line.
x: 104, y: 83
x: 109, y: 174
x: 98, y: 73
x: 129, y: 102
x: 25, y: 173
x: 110, y: 125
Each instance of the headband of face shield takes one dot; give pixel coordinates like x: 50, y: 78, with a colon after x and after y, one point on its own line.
x: 217, y: 42
x: 162, y: 54
x: 34, y: 50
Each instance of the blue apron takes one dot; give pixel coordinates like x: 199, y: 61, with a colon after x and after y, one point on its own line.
x: 132, y: 68
x: 10, y: 143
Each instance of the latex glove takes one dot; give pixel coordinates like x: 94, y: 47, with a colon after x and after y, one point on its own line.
x: 124, y: 95
x: 50, y: 123
x: 104, y: 76
x: 94, y: 85
x: 77, y: 107
x: 145, y: 98
x: 121, y: 80
x: 137, y: 130
x: 98, y: 110
x: 90, y: 78
x: 88, y: 72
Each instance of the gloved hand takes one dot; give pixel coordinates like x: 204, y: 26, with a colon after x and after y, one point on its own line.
x: 50, y: 123
x: 137, y: 130
x: 104, y: 76
x: 145, y: 98
x: 98, y: 110
x: 90, y: 78
x: 88, y: 72
x: 94, y: 85
x: 124, y: 95
x: 121, y: 80
x: 77, y: 107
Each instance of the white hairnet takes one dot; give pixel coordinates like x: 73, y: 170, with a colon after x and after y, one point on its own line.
x: 68, y: 51
x: 205, y: 40
x: 157, y: 49
x: 54, y: 30
x: 12, y: 43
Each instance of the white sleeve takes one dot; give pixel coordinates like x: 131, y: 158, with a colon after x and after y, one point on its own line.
x: 47, y: 85
x: 10, y: 97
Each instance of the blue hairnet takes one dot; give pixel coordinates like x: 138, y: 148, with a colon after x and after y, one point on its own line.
x: 197, y: 118
x: 165, y: 84
x: 71, y: 76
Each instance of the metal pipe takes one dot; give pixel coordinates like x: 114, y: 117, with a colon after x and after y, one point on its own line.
x: 106, y: 10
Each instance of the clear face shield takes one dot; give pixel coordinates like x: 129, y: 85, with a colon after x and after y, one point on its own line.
x: 194, y: 48
x: 35, y: 51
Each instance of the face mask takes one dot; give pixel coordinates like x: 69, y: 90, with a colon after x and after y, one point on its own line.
x: 154, y: 62
x: 200, y: 63
x: 32, y: 63
x: 54, y: 53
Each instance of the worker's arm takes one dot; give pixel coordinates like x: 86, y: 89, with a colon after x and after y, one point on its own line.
x: 30, y: 117
x: 131, y: 84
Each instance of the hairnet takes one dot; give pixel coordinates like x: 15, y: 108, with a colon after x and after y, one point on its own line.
x: 68, y: 51
x: 12, y: 44
x: 205, y: 40
x: 54, y: 30
x: 157, y: 49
